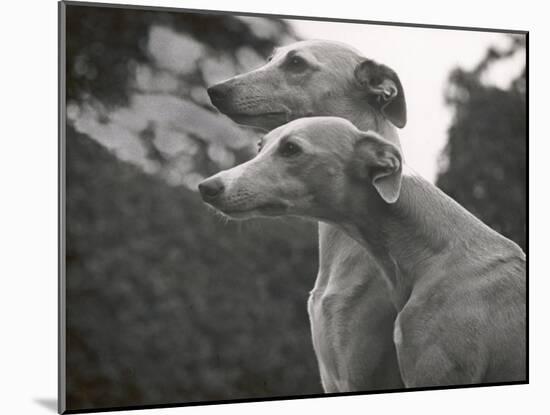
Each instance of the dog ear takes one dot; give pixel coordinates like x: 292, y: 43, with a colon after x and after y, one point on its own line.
x: 384, y: 90
x: 380, y: 162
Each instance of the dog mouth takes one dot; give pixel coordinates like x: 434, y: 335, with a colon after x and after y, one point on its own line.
x: 265, y: 209
x: 260, y: 119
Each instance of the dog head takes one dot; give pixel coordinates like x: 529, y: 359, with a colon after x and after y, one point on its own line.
x: 314, y: 167
x: 312, y: 78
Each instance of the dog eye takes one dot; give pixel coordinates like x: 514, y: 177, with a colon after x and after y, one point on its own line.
x: 296, y: 63
x: 289, y: 149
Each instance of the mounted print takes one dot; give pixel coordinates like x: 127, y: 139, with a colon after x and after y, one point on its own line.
x: 260, y: 207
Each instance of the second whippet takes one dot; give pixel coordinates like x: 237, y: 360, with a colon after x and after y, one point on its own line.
x: 350, y: 312
x: 460, y: 285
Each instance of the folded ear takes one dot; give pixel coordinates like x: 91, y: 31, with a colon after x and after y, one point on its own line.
x: 379, y: 161
x: 384, y: 88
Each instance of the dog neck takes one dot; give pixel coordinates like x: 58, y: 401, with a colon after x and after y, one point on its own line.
x: 329, y: 232
x: 415, y: 235
x: 366, y: 118
x: 373, y: 120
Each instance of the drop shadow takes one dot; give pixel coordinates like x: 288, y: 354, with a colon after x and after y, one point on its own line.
x: 48, y: 403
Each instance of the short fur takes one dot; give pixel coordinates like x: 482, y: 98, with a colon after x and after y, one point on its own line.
x: 351, y: 316
x: 459, y: 285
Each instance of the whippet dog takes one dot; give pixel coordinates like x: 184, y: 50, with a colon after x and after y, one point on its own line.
x: 313, y: 78
x: 459, y: 285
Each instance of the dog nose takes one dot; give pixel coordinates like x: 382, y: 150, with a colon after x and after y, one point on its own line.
x: 211, y: 188
x: 217, y: 92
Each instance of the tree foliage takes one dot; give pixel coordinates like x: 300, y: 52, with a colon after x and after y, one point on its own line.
x: 105, y: 44
x: 484, y: 162
x: 166, y: 302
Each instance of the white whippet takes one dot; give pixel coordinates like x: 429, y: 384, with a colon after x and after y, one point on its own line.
x: 459, y: 285
x: 314, y: 78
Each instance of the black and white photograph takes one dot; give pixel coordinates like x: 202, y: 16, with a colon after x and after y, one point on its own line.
x: 262, y: 207
x: 246, y: 207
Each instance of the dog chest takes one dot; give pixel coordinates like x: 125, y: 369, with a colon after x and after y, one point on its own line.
x: 328, y: 331
x: 338, y: 321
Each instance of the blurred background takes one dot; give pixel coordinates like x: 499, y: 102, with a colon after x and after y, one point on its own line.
x: 167, y: 302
